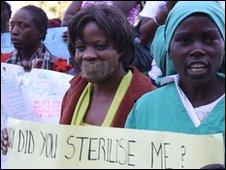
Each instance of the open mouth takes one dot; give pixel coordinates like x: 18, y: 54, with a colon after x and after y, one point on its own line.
x: 197, y: 68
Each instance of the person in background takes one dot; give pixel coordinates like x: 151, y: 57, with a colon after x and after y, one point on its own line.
x: 130, y: 8
x: 54, y: 22
x: 28, y: 31
x: 152, y: 16
x: 161, y: 66
x: 107, y: 87
x: 193, y: 101
x: 5, y: 17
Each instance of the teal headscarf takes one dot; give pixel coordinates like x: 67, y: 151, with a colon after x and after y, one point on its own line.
x: 157, y: 49
x: 183, y: 9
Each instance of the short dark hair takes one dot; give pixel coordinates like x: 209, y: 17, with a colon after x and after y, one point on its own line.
x: 5, y: 5
x: 115, y: 24
x: 39, y: 17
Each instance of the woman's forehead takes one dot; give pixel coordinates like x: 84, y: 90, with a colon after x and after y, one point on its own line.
x: 23, y: 15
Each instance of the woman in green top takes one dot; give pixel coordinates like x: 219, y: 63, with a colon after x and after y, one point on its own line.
x: 194, y: 100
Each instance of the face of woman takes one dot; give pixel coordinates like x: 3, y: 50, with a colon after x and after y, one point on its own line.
x: 95, y: 54
x: 24, y: 34
x: 196, y: 50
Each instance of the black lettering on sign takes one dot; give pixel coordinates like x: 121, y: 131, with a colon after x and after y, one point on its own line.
x: 102, y: 148
x: 20, y: 141
x: 26, y: 142
x: 49, y: 145
x: 159, y: 153
x: 122, y: 148
x: 130, y: 154
x: 91, y: 150
x: 73, y: 147
x: 183, y: 154
x: 110, y: 150
x: 111, y: 160
x: 81, y: 149
x: 165, y: 155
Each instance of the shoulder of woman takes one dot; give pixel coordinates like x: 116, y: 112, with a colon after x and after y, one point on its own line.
x: 140, y: 83
x: 139, y: 76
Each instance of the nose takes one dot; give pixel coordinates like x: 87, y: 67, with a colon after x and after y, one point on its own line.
x: 89, y: 54
x: 198, y: 50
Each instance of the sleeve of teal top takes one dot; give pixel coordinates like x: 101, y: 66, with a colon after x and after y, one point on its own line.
x: 131, y: 119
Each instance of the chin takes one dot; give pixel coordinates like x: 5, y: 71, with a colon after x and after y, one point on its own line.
x: 198, y: 79
x: 17, y: 46
x: 95, y: 80
x: 199, y: 82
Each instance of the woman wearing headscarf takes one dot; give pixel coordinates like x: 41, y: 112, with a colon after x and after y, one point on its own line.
x: 193, y: 101
x: 160, y: 54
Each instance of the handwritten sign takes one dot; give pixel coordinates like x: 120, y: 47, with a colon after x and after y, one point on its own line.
x: 63, y: 146
x: 35, y: 95
x: 53, y: 42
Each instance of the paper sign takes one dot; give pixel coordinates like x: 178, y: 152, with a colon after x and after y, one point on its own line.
x: 6, y: 45
x: 53, y: 42
x: 42, y: 145
x: 35, y: 95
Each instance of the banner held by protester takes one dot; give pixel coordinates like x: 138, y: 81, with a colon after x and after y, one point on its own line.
x: 63, y: 146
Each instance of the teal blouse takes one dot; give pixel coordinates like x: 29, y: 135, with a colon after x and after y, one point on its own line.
x: 162, y: 110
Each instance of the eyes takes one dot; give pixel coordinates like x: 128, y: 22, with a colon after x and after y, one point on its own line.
x: 210, y: 39
x: 80, y: 47
x: 207, y: 39
x: 20, y: 25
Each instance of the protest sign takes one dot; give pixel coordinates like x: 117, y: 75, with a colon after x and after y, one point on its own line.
x: 6, y: 45
x: 35, y: 95
x: 53, y: 42
x: 63, y: 146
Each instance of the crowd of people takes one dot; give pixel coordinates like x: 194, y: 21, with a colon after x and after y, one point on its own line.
x: 157, y: 65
